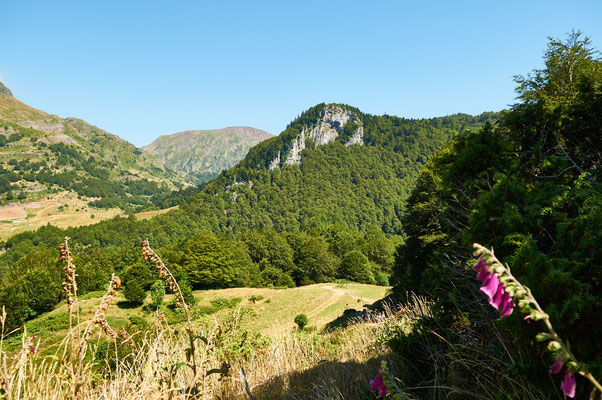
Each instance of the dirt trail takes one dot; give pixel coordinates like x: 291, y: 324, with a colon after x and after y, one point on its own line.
x: 338, y: 293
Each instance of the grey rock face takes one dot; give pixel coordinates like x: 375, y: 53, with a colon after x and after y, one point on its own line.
x: 327, y: 129
x: 5, y: 90
x: 357, y: 138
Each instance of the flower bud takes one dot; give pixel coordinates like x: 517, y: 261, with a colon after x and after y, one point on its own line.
x: 543, y: 336
x: 554, y: 346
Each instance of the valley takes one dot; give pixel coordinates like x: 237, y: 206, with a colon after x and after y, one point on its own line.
x: 349, y: 257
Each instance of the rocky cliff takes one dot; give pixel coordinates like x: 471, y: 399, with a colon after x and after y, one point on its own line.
x: 5, y: 90
x: 327, y: 129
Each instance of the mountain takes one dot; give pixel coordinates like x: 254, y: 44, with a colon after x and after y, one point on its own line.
x: 46, y: 160
x: 203, y: 154
x: 332, y: 165
x: 322, y: 200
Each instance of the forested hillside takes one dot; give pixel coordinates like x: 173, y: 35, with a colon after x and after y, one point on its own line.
x: 328, y: 200
x: 529, y: 187
x: 360, y: 186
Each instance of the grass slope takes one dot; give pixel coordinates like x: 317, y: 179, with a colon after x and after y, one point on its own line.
x: 272, y: 314
x: 202, y: 154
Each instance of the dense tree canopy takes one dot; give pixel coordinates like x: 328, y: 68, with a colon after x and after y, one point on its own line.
x: 528, y: 187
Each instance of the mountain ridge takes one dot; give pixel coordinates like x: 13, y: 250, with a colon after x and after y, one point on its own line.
x: 48, y: 159
x: 203, y: 154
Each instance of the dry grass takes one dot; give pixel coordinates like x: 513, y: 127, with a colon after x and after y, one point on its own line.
x: 209, y: 360
x: 33, y: 215
x: 151, y: 365
x: 150, y: 214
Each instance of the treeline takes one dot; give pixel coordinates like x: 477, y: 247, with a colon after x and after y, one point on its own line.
x: 528, y: 187
x: 205, y: 261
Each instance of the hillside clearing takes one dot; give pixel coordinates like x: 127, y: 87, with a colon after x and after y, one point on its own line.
x: 63, y: 210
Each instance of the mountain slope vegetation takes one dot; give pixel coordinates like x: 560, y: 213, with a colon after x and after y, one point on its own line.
x: 339, y: 203
x: 361, y: 186
x: 203, y: 154
x: 42, y: 154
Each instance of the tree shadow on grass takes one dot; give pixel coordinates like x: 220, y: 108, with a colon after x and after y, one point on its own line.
x: 326, y: 380
x: 127, y: 305
x: 368, y: 313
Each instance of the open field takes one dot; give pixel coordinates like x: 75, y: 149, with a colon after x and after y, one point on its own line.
x: 322, y: 303
x: 273, y: 314
x: 150, y: 214
x: 61, y: 209
x: 293, y: 364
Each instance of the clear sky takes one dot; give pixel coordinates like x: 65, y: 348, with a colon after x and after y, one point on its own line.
x: 141, y: 69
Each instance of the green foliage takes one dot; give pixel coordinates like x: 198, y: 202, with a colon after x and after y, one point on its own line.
x: 381, y: 279
x: 356, y: 267
x: 187, y: 293
x: 134, y: 292
x: 211, y: 263
x: 157, y: 292
x: 301, y: 321
x: 528, y: 187
x: 254, y: 299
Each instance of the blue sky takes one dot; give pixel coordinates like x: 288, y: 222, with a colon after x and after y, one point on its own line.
x: 142, y: 69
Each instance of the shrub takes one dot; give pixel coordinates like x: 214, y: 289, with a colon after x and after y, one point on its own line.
x: 356, y: 266
x: 157, y: 292
x: 134, y: 292
x: 301, y: 321
x: 188, y: 295
x: 381, y: 279
x: 254, y: 299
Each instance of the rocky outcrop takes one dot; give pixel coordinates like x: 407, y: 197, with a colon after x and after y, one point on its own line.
x: 357, y: 137
x: 294, y: 155
x: 5, y: 90
x: 275, y: 162
x: 332, y: 121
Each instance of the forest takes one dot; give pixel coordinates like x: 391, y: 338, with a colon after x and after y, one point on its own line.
x: 529, y: 187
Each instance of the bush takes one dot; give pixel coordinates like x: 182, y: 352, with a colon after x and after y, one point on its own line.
x: 356, y: 266
x: 381, y: 279
x: 134, y: 292
x: 188, y: 295
x: 301, y: 321
x: 157, y: 292
x: 254, y: 299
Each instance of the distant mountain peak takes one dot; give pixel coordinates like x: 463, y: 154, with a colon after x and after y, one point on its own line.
x: 203, y: 154
x: 5, y: 90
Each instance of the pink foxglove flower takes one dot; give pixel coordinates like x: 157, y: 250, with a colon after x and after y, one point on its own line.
x: 483, y: 274
x: 377, y: 384
x: 490, y: 286
x: 507, y: 305
x: 497, y: 298
x: 568, y: 384
x: 557, y: 366
x: 494, y: 289
x: 480, y: 264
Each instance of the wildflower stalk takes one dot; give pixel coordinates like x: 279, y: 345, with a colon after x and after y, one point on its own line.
x: 70, y: 289
x: 164, y: 272
x: 100, y: 320
x: 529, y: 305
